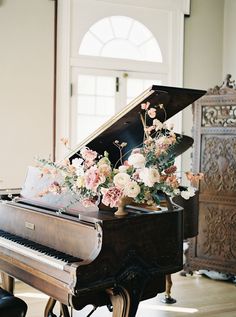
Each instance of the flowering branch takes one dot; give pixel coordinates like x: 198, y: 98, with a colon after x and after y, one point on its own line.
x: 148, y: 171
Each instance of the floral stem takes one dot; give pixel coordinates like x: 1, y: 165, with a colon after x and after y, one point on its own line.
x: 144, y: 125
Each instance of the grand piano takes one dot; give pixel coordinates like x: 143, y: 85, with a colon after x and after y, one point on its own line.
x: 82, y: 257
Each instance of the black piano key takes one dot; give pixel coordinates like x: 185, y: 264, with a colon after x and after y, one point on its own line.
x: 67, y: 258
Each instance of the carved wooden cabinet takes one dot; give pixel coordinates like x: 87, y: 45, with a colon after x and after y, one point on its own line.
x: 215, y: 155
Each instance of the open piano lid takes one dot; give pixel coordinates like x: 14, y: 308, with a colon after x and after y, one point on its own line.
x: 127, y: 127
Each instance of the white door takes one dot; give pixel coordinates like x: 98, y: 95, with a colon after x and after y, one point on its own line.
x: 97, y: 95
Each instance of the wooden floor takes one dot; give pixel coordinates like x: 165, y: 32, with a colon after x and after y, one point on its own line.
x: 197, y: 296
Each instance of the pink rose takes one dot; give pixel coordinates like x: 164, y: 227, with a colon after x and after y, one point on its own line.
x: 111, y: 196
x: 145, y: 106
x: 93, y: 178
x: 88, y: 155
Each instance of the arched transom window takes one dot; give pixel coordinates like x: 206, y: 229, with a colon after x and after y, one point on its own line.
x: 121, y: 37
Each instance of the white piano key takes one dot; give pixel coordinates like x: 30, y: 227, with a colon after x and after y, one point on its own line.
x: 36, y: 255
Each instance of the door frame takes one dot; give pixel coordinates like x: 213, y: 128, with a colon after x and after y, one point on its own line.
x: 177, y: 10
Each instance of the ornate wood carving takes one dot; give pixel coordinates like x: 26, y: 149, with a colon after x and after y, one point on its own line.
x: 219, y: 163
x: 215, y: 155
x: 217, y: 116
x: 218, y: 232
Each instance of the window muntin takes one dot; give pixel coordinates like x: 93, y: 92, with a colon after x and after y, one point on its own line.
x: 121, y: 37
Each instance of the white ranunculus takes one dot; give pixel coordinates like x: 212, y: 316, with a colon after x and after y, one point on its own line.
x: 137, y: 160
x: 176, y: 192
x: 132, y: 189
x: 77, y: 163
x: 186, y: 194
x: 149, y: 176
x: 121, y: 179
x: 123, y: 168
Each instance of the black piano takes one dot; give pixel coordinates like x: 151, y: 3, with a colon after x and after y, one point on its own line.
x: 92, y: 256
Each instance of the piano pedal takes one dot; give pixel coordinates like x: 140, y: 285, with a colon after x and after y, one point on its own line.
x: 110, y: 308
x: 92, y: 311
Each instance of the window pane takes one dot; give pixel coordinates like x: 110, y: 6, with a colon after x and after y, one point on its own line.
x: 86, y: 125
x: 119, y: 48
x: 86, y: 104
x: 139, y: 33
x: 95, y: 103
x: 86, y: 84
x: 136, y: 86
x: 102, y: 29
x: 121, y: 26
x: 105, y: 86
x: 90, y: 45
x: 148, y: 82
x: 151, y: 51
x: 121, y: 37
x: 105, y: 106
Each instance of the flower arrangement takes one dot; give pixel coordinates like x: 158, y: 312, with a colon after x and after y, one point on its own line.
x: 147, y: 171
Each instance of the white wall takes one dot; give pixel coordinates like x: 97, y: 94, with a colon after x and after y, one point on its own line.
x: 26, y: 86
x: 229, y: 52
x: 204, y: 44
x: 203, y: 54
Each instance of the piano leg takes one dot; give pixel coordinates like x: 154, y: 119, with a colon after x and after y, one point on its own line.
x: 120, y: 301
x: 168, y: 299
x: 64, y: 310
x: 125, y: 303
x: 8, y: 282
x: 48, y: 312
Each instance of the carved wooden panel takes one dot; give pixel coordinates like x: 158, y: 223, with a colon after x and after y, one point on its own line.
x: 219, y: 116
x: 217, y: 232
x: 218, y: 163
x: 215, y: 155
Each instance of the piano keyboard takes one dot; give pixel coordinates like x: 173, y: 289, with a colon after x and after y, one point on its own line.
x: 36, y: 251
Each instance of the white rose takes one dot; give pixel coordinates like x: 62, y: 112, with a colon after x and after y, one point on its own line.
x: 137, y: 160
x: 132, y: 189
x: 191, y: 191
x: 157, y: 124
x: 186, y: 194
x: 149, y: 176
x: 77, y: 163
x: 121, y: 179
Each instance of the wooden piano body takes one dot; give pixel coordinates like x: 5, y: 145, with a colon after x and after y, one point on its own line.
x: 85, y: 257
